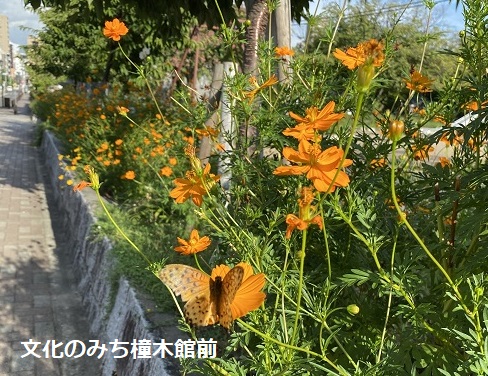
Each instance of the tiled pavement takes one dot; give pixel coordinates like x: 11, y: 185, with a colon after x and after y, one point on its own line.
x: 38, y: 300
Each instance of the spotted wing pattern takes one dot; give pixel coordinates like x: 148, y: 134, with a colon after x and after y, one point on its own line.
x: 185, y: 281
x: 194, y: 288
x: 231, y: 283
x: 208, y: 302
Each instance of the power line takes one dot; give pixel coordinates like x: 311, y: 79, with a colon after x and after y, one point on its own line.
x: 415, y: 4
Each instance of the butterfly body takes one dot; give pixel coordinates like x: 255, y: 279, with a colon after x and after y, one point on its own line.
x: 208, y: 300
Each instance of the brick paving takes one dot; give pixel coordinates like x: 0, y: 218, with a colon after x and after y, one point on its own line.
x: 38, y: 299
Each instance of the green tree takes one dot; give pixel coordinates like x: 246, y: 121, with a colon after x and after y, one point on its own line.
x: 403, y: 30
x: 71, y: 45
x: 73, y: 52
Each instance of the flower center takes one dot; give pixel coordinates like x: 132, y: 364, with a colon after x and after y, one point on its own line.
x: 313, y: 151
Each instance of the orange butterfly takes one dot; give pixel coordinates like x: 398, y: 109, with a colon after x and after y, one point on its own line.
x: 222, y: 297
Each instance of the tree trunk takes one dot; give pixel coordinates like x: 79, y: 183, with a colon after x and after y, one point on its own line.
x: 228, y: 130
x: 108, y: 65
x: 194, y: 78
x: 258, y: 14
x: 213, y: 103
x: 281, y: 31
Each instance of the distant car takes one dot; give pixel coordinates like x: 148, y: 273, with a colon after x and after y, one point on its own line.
x: 9, y: 88
x: 55, y: 87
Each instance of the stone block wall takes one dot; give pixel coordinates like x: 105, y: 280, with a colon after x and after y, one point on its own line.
x: 125, y: 319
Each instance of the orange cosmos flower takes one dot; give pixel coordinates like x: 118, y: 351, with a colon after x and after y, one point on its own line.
x: 319, y: 166
x: 440, y: 119
x: 377, y: 163
x: 422, y: 153
x: 419, y: 83
x: 302, y: 132
x: 320, y: 121
x: 194, y: 245
x: 190, y: 140
x: 248, y: 295
x: 193, y: 186
x: 453, y: 140
x: 306, y: 215
x: 369, y: 53
x: 443, y: 161
x: 473, y: 106
x: 251, y: 94
x: 122, y: 110
x: 166, y: 171
x: 115, y: 29
x: 295, y: 222
x: 129, y: 175
x: 472, y: 145
x: 284, y: 51
x: 207, y: 132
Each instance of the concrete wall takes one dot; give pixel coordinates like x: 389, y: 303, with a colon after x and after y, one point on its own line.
x: 123, y: 320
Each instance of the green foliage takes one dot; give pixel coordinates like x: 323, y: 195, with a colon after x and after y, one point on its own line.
x: 384, y: 275
x: 172, y: 16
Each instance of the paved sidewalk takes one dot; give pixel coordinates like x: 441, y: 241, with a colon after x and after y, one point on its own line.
x: 38, y: 300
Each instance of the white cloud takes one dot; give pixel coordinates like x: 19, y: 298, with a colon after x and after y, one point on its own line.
x: 19, y: 17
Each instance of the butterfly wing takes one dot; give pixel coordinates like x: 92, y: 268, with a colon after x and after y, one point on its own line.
x: 185, y: 281
x: 199, y: 311
x: 194, y: 288
x: 249, y: 295
x: 230, y: 284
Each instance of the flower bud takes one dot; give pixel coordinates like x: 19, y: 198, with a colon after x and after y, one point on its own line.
x: 365, y: 76
x: 479, y: 291
x: 396, y: 128
x: 353, y: 309
x: 401, y: 217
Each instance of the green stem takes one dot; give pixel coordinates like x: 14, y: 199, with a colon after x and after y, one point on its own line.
x: 121, y: 232
x: 361, y: 237
x: 390, y: 296
x: 300, y: 286
x: 309, y: 29
x: 424, y: 50
x: 291, y: 347
x: 141, y: 72
x: 382, y: 273
x: 327, y: 250
x: 136, y: 124
x: 417, y: 238
x: 197, y: 262
x: 359, y: 106
x: 339, y: 19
